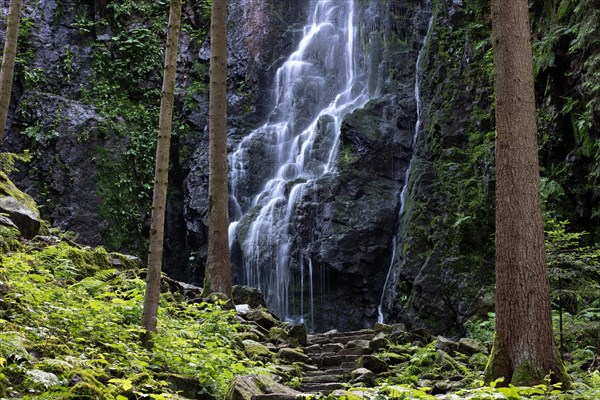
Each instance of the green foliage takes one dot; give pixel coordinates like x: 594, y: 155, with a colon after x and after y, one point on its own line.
x: 81, y: 320
x: 482, y: 329
x: 8, y: 160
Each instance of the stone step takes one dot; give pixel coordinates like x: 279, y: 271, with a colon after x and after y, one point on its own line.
x: 321, y: 378
x: 324, y: 388
x: 340, y: 338
x: 332, y: 371
x: 335, y: 360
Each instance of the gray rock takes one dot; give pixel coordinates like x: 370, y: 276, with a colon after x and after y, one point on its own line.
x: 247, y: 386
x: 373, y: 363
x: 255, y: 350
x: 380, y: 341
x: 24, y: 217
x: 446, y: 344
x: 292, y: 355
x: 470, y: 346
x: 363, y: 375
x: 248, y: 295
x: 263, y: 317
x: 298, y: 332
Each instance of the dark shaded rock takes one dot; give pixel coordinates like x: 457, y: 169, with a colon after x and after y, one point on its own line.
x: 446, y: 345
x: 380, y: 341
x: 389, y: 328
x: 363, y: 375
x: 277, y: 334
x: 470, y: 346
x: 298, y: 332
x: 373, y: 363
x: 248, y: 295
x: 263, y: 317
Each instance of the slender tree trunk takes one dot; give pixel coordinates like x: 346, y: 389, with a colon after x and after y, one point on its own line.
x: 524, y: 349
x: 161, y: 173
x: 8, y: 61
x: 218, y: 263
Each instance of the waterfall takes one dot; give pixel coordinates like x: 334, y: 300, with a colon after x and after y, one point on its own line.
x: 273, y: 166
x: 404, y: 191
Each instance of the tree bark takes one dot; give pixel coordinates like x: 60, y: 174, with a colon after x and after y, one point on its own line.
x: 218, y: 263
x: 524, y: 351
x: 8, y: 62
x: 161, y: 172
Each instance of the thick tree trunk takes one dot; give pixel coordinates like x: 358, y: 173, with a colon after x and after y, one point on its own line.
x: 161, y: 172
x: 524, y: 349
x: 8, y: 61
x: 218, y: 263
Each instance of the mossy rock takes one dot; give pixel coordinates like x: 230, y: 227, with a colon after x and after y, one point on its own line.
x: 292, y: 355
x: 255, y: 350
x: 263, y: 317
x: 241, y: 336
x: 277, y: 335
x: 85, y: 390
x: 124, y: 261
x: 20, y: 208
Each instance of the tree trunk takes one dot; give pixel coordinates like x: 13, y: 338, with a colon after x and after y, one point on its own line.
x: 218, y: 263
x: 161, y: 172
x: 8, y: 61
x: 524, y: 349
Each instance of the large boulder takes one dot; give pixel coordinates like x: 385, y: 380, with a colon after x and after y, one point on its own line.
x: 19, y: 207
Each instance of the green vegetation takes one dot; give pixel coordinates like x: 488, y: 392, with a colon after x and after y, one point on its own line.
x: 69, y: 328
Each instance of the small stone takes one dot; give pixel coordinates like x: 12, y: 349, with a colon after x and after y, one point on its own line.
x: 372, y: 363
x: 242, y: 308
x: 255, y: 350
x: 446, y: 345
x: 248, y: 295
x: 470, y: 346
x: 277, y: 334
x: 262, y: 317
x: 363, y: 375
x: 378, y: 342
x: 333, y: 348
x: 292, y: 355
x: 298, y: 332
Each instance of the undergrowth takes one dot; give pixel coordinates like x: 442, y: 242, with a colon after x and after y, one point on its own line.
x: 69, y: 329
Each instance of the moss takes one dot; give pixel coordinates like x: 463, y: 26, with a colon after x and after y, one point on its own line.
x: 255, y: 350
x: 85, y: 390
x: 124, y: 261
x: 7, y: 188
x: 4, y: 384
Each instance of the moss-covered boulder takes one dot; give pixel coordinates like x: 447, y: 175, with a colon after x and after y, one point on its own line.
x: 19, y: 207
x: 291, y: 355
x: 255, y: 350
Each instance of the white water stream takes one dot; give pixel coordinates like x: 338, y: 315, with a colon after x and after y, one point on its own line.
x: 317, y: 85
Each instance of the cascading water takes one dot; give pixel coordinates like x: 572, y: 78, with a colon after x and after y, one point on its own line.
x: 404, y: 191
x: 317, y: 85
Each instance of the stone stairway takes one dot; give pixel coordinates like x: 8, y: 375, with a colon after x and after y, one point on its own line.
x: 335, y: 356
